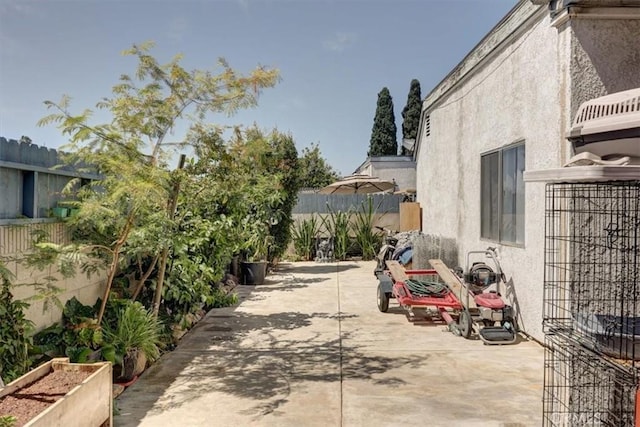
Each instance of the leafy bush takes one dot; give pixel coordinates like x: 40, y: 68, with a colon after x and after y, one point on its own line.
x: 283, y: 161
x: 75, y: 312
x: 14, y: 332
x: 77, y: 337
x: 191, y: 285
x: 224, y: 299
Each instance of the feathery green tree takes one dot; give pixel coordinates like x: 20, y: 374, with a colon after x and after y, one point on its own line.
x: 130, y: 211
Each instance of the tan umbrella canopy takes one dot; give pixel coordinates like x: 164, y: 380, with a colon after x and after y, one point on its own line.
x: 358, y: 184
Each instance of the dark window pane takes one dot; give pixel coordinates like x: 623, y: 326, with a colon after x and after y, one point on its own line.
x: 512, y: 195
x: 508, y: 195
x: 490, y: 196
x: 502, y: 195
x: 520, y: 162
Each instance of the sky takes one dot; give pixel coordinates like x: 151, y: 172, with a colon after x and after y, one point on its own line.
x: 334, y: 57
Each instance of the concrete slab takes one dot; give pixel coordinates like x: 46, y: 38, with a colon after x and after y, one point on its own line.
x: 310, y: 348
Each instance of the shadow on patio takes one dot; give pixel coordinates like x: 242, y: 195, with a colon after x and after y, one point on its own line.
x: 258, y: 356
x: 213, y: 358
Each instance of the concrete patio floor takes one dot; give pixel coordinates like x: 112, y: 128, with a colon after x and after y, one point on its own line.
x: 310, y: 348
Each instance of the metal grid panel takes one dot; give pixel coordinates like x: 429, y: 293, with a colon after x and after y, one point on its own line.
x: 581, y: 388
x: 592, y: 265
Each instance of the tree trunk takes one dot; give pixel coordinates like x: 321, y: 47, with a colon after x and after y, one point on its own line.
x: 144, y: 278
x: 171, y: 211
x: 114, y: 265
x: 161, y: 270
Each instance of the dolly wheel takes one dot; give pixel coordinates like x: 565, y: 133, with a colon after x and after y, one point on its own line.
x: 464, y: 323
x: 383, y: 300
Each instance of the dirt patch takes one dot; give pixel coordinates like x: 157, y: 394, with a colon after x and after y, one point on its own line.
x: 29, y: 401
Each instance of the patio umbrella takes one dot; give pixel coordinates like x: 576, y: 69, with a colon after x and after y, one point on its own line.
x: 358, y: 184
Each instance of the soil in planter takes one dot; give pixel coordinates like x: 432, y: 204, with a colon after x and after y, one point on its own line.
x: 29, y: 401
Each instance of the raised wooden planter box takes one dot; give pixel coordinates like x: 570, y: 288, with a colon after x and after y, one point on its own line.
x: 87, y: 404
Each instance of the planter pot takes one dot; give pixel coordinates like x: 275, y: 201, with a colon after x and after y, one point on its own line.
x: 133, y: 364
x: 234, y: 266
x: 87, y: 404
x: 60, y: 212
x: 253, y: 273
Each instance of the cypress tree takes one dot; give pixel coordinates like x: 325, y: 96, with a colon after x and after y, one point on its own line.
x: 411, y: 113
x: 383, y: 135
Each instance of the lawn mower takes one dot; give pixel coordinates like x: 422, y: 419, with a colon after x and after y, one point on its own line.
x: 484, y: 307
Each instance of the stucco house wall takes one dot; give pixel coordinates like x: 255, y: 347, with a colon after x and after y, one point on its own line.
x: 522, y: 82
x: 401, y: 169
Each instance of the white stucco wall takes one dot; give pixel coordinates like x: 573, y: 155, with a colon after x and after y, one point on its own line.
x: 605, y: 58
x: 516, y: 96
x: 400, y: 169
x: 526, y: 89
x: 405, y: 178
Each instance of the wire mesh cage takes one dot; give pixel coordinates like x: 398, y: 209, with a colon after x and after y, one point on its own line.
x: 592, y: 265
x: 581, y: 388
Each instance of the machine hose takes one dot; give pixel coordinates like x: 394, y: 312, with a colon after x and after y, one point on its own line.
x: 427, y: 289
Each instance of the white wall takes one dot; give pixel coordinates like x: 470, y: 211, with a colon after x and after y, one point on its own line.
x: 400, y: 169
x: 405, y: 178
x: 526, y: 89
x: 514, y: 96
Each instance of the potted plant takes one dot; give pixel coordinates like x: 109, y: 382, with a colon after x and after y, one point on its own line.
x: 254, y: 268
x: 66, y: 208
x: 60, y: 212
x: 135, y: 336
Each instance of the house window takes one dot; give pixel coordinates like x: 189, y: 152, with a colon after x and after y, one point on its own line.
x: 502, y: 195
x: 30, y: 194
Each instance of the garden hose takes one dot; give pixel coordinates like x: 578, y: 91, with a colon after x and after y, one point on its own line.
x: 427, y: 289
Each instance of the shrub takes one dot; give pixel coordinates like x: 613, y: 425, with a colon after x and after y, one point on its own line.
x: 78, y: 337
x: 337, y: 225
x: 136, y: 329
x: 304, y: 237
x: 15, y: 341
x: 368, y: 240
